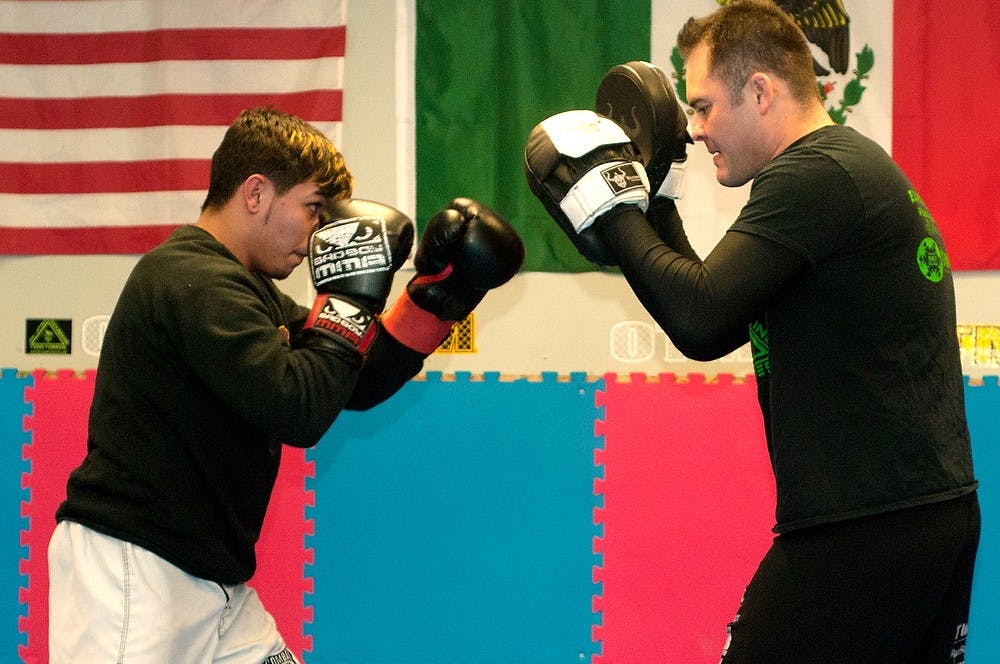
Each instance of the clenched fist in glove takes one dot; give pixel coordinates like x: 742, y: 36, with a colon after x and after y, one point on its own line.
x: 581, y: 165
x: 352, y: 258
x: 466, y: 250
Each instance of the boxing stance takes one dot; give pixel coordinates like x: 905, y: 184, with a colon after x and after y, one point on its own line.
x: 208, y: 370
x: 836, y: 275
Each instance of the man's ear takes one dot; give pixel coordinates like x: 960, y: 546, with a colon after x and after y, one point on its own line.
x: 762, y: 88
x: 253, y: 191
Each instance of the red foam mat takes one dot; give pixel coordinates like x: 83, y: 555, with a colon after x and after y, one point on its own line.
x: 688, y: 510
x: 58, y: 428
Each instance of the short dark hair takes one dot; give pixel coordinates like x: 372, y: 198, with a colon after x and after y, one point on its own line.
x: 745, y: 36
x: 282, y: 147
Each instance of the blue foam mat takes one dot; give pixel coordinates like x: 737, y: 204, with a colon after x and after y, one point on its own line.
x: 454, y: 523
x: 13, y: 410
x: 982, y: 406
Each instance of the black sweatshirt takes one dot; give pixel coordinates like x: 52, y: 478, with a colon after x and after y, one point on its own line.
x: 199, y: 384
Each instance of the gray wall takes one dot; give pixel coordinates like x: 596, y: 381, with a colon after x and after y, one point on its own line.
x: 539, y: 322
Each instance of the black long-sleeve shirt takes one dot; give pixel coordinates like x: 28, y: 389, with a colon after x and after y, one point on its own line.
x: 201, y: 381
x: 837, y: 275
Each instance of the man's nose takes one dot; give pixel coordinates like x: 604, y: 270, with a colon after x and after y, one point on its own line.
x: 696, y: 128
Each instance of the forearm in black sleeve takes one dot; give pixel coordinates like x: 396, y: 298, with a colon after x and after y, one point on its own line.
x: 666, y: 222
x: 703, y: 306
x: 388, y: 367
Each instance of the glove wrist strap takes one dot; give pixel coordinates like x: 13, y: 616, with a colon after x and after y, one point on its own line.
x: 415, y: 328
x: 342, y: 321
x: 602, y: 188
x: 673, y: 184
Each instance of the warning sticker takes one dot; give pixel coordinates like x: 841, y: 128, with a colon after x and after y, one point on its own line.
x: 51, y: 336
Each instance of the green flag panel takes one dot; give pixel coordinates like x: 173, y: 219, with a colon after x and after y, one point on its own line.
x: 486, y: 73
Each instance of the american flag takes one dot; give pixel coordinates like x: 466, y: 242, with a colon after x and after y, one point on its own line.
x: 110, y: 109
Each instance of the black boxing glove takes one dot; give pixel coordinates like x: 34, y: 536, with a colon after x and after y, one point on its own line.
x: 580, y: 165
x: 352, y: 259
x: 465, y: 251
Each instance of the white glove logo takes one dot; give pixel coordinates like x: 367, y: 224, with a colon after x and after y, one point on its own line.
x: 622, y: 177
x: 349, y: 248
x: 355, y: 231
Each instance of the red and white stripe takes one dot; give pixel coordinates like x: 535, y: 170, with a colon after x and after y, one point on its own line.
x: 110, y: 110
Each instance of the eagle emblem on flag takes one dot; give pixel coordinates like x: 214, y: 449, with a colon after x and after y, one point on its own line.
x: 826, y: 25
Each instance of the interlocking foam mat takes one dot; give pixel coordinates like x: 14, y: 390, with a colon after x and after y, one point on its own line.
x: 688, y: 507
x: 14, y: 523
x: 58, y: 425
x: 485, y: 519
x: 982, y: 407
x: 455, y: 523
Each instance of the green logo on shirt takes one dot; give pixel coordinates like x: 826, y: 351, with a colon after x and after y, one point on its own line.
x: 760, y: 350
x: 925, y: 215
x: 931, y: 259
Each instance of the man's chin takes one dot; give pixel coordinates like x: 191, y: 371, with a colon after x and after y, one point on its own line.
x: 281, y: 273
x: 287, y: 271
x: 727, y: 180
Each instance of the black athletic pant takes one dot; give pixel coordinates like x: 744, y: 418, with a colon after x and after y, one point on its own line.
x: 887, y: 589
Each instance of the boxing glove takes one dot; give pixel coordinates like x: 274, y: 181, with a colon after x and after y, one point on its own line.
x: 581, y: 165
x: 465, y: 251
x: 353, y: 256
x: 638, y: 96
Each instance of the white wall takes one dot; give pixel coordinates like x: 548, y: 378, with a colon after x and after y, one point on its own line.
x: 538, y: 322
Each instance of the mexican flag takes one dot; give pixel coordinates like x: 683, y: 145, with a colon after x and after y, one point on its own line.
x: 915, y: 76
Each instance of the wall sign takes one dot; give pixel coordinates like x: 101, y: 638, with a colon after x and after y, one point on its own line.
x: 52, y: 336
